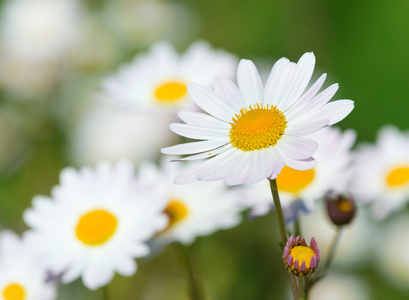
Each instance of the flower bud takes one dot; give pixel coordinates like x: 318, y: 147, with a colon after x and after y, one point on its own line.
x: 341, y: 208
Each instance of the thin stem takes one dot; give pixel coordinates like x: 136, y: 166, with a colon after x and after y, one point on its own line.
x: 195, y: 288
x: 283, y: 231
x: 301, y: 287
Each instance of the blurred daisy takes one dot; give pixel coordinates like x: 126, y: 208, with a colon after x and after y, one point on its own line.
x: 159, y: 78
x: 96, y: 223
x: 331, y: 172
x: 21, y: 276
x: 193, y: 210
x: 250, y: 133
x: 382, y: 172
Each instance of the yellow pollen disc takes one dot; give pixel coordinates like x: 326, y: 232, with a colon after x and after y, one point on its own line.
x: 344, y: 206
x: 176, y: 211
x: 14, y: 291
x: 171, y: 91
x: 301, y: 253
x: 294, y: 181
x: 398, y: 177
x: 257, y: 128
x: 96, y: 227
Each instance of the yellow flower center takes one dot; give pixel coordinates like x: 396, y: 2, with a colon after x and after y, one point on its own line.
x: 344, y: 206
x: 294, y: 181
x: 176, y: 211
x: 257, y: 128
x: 96, y: 227
x: 169, y: 92
x: 14, y: 291
x: 301, y: 253
x: 398, y: 177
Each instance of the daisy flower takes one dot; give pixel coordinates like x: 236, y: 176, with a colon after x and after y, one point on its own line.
x: 382, y: 172
x: 331, y: 172
x: 95, y: 223
x: 251, y: 132
x: 194, y: 210
x: 159, y: 78
x: 21, y: 276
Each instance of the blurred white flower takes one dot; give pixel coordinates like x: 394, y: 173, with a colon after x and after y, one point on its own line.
x: 194, y: 210
x: 331, y: 172
x: 391, y: 257
x: 95, y: 223
x: 340, y: 287
x: 158, y: 79
x: 382, y: 172
x: 22, y: 277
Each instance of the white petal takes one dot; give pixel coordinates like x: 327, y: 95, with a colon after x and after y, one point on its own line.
x: 274, y: 79
x: 297, y: 147
x: 297, y: 82
x: 277, y: 162
x: 304, y: 128
x: 249, y: 82
x: 337, y: 110
x: 302, y: 165
x: 260, y: 166
x: 207, y: 154
x: 218, y: 167
x: 97, y: 273
x: 210, y: 102
x: 230, y: 92
x: 194, y: 147
x: 202, y: 120
x: 198, y: 133
x: 239, y: 171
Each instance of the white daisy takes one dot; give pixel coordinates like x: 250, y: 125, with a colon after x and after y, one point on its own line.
x: 382, y: 172
x: 251, y: 132
x: 158, y: 79
x: 96, y: 223
x: 21, y: 275
x: 194, y: 210
x: 331, y: 172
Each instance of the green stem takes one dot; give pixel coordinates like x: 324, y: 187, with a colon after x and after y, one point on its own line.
x: 105, y: 293
x: 301, y: 287
x: 283, y: 231
x: 195, y: 288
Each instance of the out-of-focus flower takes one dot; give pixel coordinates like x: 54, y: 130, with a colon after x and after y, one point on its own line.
x: 144, y: 94
x: 251, y: 132
x: 340, y: 287
x: 197, y: 209
x: 299, y: 190
x: 159, y: 78
x: 391, y: 248
x: 382, y: 172
x: 299, y: 258
x: 22, y: 277
x: 96, y: 223
x: 35, y: 36
x: 341, y: 208
x: 141, y: 22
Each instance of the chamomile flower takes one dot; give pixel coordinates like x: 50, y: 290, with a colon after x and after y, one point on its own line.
x: 194, y: 210
x: 95, y: 223
x: 331, y: 172
x: 382, y: 172
x: 21, y: 275
x: 159, y: 78
x: 250, y: 133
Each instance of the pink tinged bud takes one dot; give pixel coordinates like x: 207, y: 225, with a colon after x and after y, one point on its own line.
x: 302, y: 266
x: 291, y: 240
x: 286, y: 252
x: 296, y: 264
x: 296, y: 240
x: 289, y: 260
x: 303, y: 242
x: 312, y: 262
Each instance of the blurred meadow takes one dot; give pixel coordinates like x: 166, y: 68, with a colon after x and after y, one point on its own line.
x: 362, y: 45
